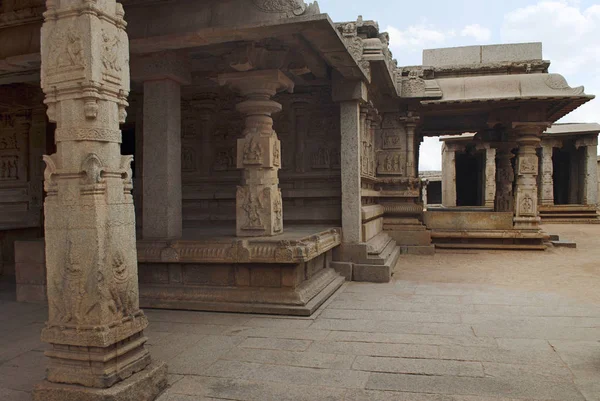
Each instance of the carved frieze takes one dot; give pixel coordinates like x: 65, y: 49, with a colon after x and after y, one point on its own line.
x: 290, y: 7
x: 528, y: 165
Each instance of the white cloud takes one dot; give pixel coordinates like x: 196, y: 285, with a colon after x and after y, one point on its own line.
x: 415, y: 37
x: 570, y: 39
x: 476, y: 31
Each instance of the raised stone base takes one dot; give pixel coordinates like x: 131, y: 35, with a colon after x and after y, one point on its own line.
x: 142, y: 386
x: 289, y: 274
x: 569, y: 214
x: 489, y: 239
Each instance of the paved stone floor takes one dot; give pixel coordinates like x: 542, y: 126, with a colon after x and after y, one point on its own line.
x: 458, y: 326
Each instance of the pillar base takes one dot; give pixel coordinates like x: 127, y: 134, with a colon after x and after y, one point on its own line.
x: 527, y: 223
x: 143, y: 386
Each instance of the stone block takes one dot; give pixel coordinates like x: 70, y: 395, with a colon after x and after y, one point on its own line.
x: 418, y: 250
x: 32, y: 293
x: 372, y: 273
x: 218, y: 275
x: 30, y: 273
x: 372, y: 228
x: 30, y: 251
x: 517, y: 52
x: 344, y: 269
x: 142, y: 386
x: 242, y: 276
x: 265, y: 277
x: 292, y: 276
x: 411, y: 238
x: 470, y: 220
x: 452, y: 56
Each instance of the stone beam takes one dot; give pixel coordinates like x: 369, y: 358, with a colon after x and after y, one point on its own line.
x: 95, y: 327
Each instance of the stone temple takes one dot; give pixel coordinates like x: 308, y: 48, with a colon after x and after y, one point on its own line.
x: 271, y: 154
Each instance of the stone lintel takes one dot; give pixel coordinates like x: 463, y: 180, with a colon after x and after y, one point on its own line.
x: 234, y: 250
x: 160, y: 66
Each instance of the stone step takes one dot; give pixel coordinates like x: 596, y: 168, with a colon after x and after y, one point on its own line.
x: 537, y: 247
x: 554, y: 237
x: 378, y: 243
x: 382, y: 257
x: 564, y: 244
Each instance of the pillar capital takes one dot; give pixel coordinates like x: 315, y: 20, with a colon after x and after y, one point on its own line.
x: 256, y: 83
x: 169, y: 65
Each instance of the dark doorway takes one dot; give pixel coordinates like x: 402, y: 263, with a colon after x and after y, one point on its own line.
x: 561, y: 164
x: 434, y: 193
x: 128, y: 143
x: 470, y: 167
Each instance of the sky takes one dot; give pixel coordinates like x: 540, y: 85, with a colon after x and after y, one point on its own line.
x: 568, y: 29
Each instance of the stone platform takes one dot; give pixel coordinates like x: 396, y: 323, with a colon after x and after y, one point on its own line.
x: 475, y: 229
x: 212, y: 269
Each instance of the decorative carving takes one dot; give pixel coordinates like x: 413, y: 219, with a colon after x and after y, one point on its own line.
x: 88, y: 134
x: 294, y: 7
x: 123, y: 292
x: 390, y: 163
x: 66, y: 50
x: 188, y: 159
x: 110, y: 52
x: 253, y: 207
x: 278, y: 212
x: 528, y: 165
x: 224, y: 160
x: 527, y: 205
x: 252, y: 152
x: 276, y: 154
x: 9, y: 168
x: 8, y: 141
x: 321, y: 159
x: 93, y: 168
x: 284, y: 252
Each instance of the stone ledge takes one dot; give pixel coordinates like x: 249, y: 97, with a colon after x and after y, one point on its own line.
x: 235, y: 250
x: 142, y: 386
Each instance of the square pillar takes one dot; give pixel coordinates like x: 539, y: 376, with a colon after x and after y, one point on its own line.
x: 162, y: 74
x: 490, y: 176
x: 162, y: 160
x: 547, y: 172
x: 448, y: 176
x: 351, y: 122
x: 590, y: 191
x: 95, y: 327
x: 505, y: 176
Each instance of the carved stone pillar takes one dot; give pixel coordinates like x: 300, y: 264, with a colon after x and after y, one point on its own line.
x: 448, y: 175
x: 547, y: 181
x: 259, y: 207
x: 526, y: 191
x: 490, y: 176
x: 505, y: 176
x: 411, y: 165
x: 95, y: 327
x: 364, y: 122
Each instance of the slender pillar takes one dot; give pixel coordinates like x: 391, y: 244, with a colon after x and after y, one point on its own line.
x: 547, y: 180
x: 95, y: 327
x: 505, y: 175
x: 411, y: 156
x: 490, y: 176
x: 526, y: 192
x: 259, y: 206
x: 351, y: 122
x: 590, y: 190
x: 448, y: 176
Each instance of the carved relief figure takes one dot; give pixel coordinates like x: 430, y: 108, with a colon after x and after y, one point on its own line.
x: 110, y: 52
x: 528, y: 166
x: 9, y: 168
x: 276, y: 155
x: 9, y: 141
x: 224, y: 160
x: 527, y: 205
x: 252, y: 152
x: 188, y: 159
x: 122, y: 290
x: 278, y: 211
x: 321, y: 159
x: 252, y: 206
x: 67, y: 50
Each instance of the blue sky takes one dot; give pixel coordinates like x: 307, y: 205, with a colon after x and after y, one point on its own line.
x: 569, y: 31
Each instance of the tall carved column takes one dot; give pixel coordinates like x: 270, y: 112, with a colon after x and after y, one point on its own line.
x: 526, y: 192
x: 505, y: 176
x: 547, y: 181
x: 448, y: 175
x: 259, y: 207
x: 490, y: 176
x: 95, y: 327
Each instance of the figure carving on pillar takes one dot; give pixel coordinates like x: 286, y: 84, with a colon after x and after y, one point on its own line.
x: 90, y: 236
